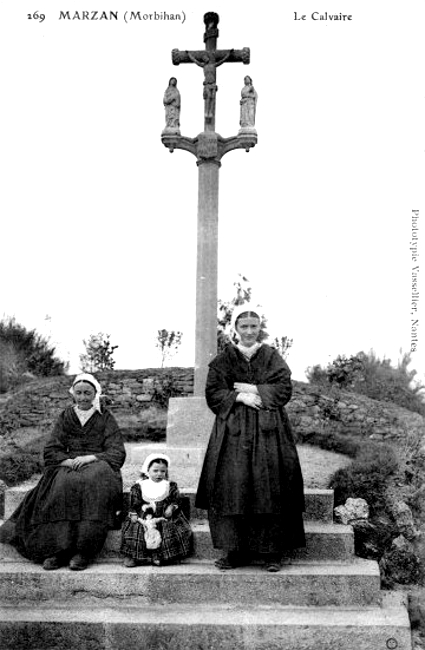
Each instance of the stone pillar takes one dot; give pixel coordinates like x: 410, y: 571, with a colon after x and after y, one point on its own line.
x: 206, y: 272
x: 190, y: 420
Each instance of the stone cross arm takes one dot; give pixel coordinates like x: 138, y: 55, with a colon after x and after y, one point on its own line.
x: 209, y: 146
x: 200, y: 57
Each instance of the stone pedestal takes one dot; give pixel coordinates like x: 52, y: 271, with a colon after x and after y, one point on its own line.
x: 188, y: 429
x: 189, y: 422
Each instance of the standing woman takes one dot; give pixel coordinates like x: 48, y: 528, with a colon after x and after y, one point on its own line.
x: 66, y: 517
x: 251, y: 481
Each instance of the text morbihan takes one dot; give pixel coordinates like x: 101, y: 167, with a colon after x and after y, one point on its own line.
x: 113, y: 15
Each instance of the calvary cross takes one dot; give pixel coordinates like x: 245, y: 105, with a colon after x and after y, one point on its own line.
x: 208, y: 147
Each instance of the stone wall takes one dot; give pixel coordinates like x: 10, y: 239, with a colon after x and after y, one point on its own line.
x: 138, y: 398
x: 311, y: 410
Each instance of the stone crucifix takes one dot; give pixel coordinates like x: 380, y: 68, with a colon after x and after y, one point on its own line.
x: 208, y: 147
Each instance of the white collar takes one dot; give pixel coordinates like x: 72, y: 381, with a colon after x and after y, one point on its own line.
x: 250, y: 351
x: 153, y: 491
x: 84, y: 416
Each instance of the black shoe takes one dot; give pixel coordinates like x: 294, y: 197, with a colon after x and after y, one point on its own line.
x: 273, y: 564
x: 78, y: 563
x: 224, y: 563
x: 232, y: 560
x: 52, y: 563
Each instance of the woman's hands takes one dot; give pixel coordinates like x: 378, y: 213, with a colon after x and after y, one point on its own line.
x: 78, y: 462
x: 248, y: 395
x: 240, y: 387
x: 169, y: 511
x: 249, y: 399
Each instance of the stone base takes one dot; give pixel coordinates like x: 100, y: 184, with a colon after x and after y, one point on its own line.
x: 189, y: 422
x: 189, y: 425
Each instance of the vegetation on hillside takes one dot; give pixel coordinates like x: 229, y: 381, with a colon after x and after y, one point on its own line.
x: 367, y: 374
x: 386, y: 473
x: 25, y: 353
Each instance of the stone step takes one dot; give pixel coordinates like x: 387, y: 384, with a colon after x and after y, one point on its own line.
x: 195, y: 582
x: 323, y: 542
x: 319, y: 502
x: 122, y: 625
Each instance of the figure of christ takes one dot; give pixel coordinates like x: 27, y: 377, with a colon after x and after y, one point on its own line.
x: 209, y: 63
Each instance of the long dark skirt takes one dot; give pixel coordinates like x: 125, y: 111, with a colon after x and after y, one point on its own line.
x: 254, y: 488
x: 67, y: 512
x: 256, y: 534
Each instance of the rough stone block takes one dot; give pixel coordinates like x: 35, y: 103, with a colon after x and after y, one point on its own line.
x: 189, y: 422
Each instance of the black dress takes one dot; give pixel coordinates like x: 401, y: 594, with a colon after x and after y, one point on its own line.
x: 71, y: 511
x: 251, y: 481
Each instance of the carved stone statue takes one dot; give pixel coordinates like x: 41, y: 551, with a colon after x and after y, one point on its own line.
x: 209, y: 63
x: 172, y: 107
x: 248, y: 104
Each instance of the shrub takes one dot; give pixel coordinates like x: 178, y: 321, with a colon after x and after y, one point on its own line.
x: 332, y: 441
x: 163, y: 391
x: 367, y: 476
x: 99, y: 353
x: 18, y: 467
x: 401, y: 567
x: 24, y: 351
x: 376, y: 378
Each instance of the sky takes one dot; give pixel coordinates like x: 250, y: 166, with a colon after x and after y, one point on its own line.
x: 98, y: 219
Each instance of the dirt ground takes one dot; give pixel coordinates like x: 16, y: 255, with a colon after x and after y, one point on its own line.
x: 318, y: 465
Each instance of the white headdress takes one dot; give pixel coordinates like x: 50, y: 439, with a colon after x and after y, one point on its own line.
x: 151, y: 458
x: 152, y: 491
x: 242, y: 309
x: 85, y: 376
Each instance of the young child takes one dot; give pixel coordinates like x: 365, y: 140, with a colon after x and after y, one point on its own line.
x: 155, y: 513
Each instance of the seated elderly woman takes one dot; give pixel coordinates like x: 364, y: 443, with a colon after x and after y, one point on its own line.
x: 66, y: 517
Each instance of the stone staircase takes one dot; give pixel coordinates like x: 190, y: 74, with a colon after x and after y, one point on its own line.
x: 323, y: 598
